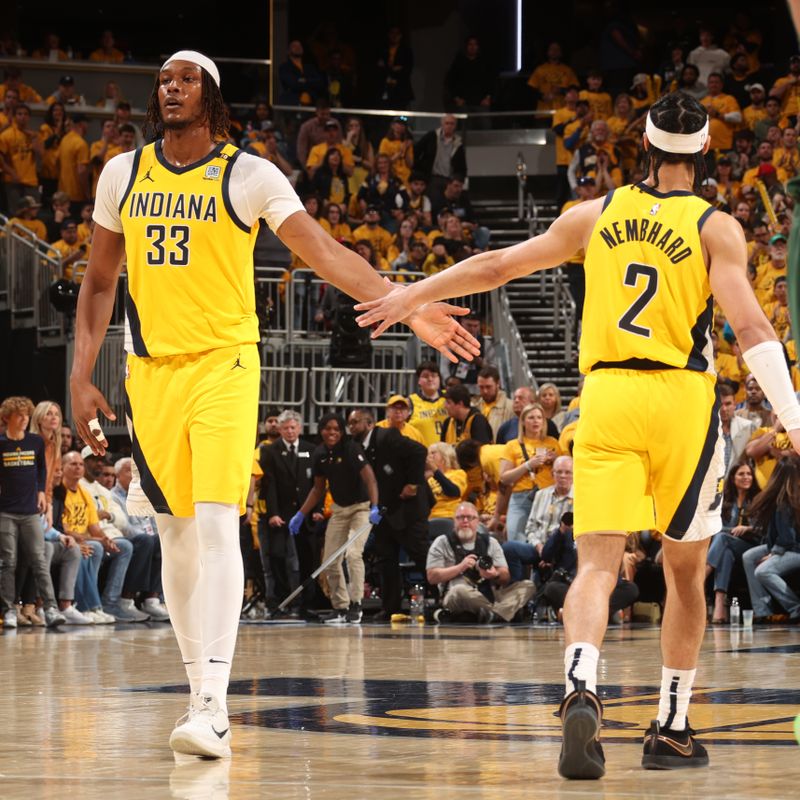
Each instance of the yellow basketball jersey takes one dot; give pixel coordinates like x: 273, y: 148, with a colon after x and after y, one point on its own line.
x: 648, y: 298
x: 427, y: 416
x: 190, y: 258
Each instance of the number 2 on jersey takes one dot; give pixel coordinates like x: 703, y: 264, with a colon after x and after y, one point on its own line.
x: 178, y: 255
x: 632, y: 275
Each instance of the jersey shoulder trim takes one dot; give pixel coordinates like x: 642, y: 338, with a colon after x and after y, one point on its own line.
x: 704, y: 217
x: 226, y: 190
x: 137, y: 157
x: 607, y: 200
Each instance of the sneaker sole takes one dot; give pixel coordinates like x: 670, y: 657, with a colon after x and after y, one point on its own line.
x: 578, y: 761
x: 674, y: 762
x: 184, y: 742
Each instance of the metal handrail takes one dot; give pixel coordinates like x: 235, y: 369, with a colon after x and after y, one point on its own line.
x: 519, y: 372
x: 398, y: 112
x: 564, y: 311
x: 522, y: 184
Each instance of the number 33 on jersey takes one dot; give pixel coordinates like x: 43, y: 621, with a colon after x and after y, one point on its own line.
x: 648, y: 298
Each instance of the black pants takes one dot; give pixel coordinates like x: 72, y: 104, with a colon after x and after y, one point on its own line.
x: 280, y: 562
x: 388, y: 541
x: 625, y: 594
x: 144, y: 569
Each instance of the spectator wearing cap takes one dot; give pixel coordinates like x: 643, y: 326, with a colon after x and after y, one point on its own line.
x: 70, y: 250
x: 764, y: 156
x: 787, y: 156
x: 550, y: 78
x: 20, y: 149
x: 312, y: 131
x: 565, y: 122
x: 599, y: 101
x: 427, y: 403
x: 438, y: 259
x: 380, y: 190
x: 787, y: 89
x: 440, y: 153
x: 66, y: 93
x: 107, y: 53
x: 709, y: 190
x: 773, y: 117
x: 723, y: 111
x: 756, y: 109
x: 73, y: 164
x: 644, y: 90
x: 707, y: 57
x: 373, y: 232
x: 26, y: 217
x: 492, y: 401
x: 764, y: 283
x: 399, y: 146
x: 13, y: 80
x: 332, y: 141
x: 264, y: 144
x: 398, y: 410
x: 301, y: 82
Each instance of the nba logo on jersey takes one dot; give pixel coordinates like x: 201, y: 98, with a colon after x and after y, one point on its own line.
x: 654, y: 209
x: 212, y: 173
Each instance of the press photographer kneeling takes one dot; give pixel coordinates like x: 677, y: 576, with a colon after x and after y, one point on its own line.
x: 472, y: 574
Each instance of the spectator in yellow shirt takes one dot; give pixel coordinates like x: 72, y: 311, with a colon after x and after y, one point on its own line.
x: 332, y: 141
x: 51, y: 49
x: 70, y: 250
x: 757, y: 110
x: 13, y: 80
x: 399, y: 146
x: 550, y: 79
x: 73, y: 163
x: 365, y: 249
x: 25, y: 217
x: 599, y: 101
x: 774, y: 268
x: 334, y: 224
x: 565, y: 121
x: 787, y: 156
x: 447, y: 482
x: 265, y: 144
x: 645, y: 90
x: 107, y: 53
x: 787, y: 89
x: 378, y: 237
x: 20, y: 148
x: 397, y: 414
x: 438, y: 259
x: 728, y: 188
x: 723, y: 111
x: 777, y: 310
x: 86, y: 225
x: 102, y: 150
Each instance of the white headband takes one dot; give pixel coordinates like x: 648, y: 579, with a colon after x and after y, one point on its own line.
x: 193, y: 57
x: 676, y: 142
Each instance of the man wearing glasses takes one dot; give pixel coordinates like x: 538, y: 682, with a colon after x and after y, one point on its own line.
x: 472, y: 574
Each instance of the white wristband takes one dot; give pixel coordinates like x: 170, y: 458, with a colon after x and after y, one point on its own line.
x: 768, y: 364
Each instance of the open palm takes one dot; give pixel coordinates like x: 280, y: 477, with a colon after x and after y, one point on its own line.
x: 435, y: 325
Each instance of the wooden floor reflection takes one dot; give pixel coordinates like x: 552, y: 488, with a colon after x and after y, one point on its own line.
x: 424, y: 713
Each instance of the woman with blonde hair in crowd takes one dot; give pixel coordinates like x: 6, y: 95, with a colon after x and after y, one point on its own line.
x: 46, y: 420
x: 447, y: 482
x: 355, y: 140
x: 526, y: 466
x: 549, y: 397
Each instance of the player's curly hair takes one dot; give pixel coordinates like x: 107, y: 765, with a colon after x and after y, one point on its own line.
x: 214, y: 110
x: 677, y: 112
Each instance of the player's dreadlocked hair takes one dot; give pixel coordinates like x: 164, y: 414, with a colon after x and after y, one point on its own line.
x: 214, y: 111
x: 676, y: 112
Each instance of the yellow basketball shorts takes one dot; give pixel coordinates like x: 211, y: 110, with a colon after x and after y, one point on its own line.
x: 193, y: 421
x: 648, y: 454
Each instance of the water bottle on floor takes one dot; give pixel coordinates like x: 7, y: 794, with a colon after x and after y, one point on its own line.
x: 736, y: 612
x: 417, y: 604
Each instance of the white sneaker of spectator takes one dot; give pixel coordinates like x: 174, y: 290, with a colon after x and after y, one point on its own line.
x: 75, y: 617
x: 206, y: 732
x: 125, y: 611
x: 99, y: 616
x: 156, y: 609
x: 53, y: 617
x: 10, y: 619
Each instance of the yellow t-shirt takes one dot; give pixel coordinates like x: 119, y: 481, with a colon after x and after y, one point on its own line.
x: 79, y: 511
x: 765, y: 282
x: 560, y: 117
x: 16, y: 147
x: 546, y: 78
x: 790, y: 102
x: 751, y: 175
x: 72, y: 152
x: 778, y: 315
x: 27, y: 94
x: 599, y: 103
x: 751, y: 115
x: 490, y: 460
x: 432, y: 265
x: 407, y: 430
x: 316, y: 156
x: 341, y: 232
x: 727, y: 366
x: 444, y: 506
x: 544, y: 475
x: 63, y: 250
x: 35, y: 226
x: 427, y: 417
x: 787, y: 160
x: 49, y: 164
x: 378, y: 237
x: 765, y: 465
x: 94, y: 151
x: 400, y: 168
x: 114, y: 57
x: 721, y: 132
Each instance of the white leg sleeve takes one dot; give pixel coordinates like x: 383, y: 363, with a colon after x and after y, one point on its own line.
x: 220, y: 588
x: 180, y: 570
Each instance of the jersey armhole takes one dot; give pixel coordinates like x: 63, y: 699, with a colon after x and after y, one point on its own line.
x: 226, y: 192
x: 134, y: 170
x: 704, y: 217
x: 608, y: 199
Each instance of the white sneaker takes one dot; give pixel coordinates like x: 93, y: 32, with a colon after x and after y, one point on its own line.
x: 75, y: 617
x: 206, y: 731
x: 100, y: 617
x: 157, y: 611
x: 53, y: 617
x: 10, y: 619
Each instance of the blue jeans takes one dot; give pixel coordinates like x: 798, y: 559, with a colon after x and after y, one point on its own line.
x: 766, y: 580
x: 87, y: 595
x: 722, y: 555
x: 519, y: 555
x: 519, y: 509
x: 116, y: 571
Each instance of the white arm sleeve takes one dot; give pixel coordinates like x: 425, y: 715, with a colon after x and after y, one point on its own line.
x: 259, y: 190
x: 768, y: 365
x: 111, y: 187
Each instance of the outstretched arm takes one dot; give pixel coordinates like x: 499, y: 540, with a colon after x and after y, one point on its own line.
x: 488, y: 270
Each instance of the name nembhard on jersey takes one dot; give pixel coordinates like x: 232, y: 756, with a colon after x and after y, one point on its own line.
x: 645, y: 230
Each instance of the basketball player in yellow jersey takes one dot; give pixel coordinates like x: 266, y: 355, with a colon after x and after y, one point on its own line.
x: 655, y: 253
x: 185, y: 210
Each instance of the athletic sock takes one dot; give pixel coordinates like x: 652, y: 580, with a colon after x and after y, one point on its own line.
x: 194, y: 671
x: 676, y: 690
x: 220, y: 587
x: 580, y: 664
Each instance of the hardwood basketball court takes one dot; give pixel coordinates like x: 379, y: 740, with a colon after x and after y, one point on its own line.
x: 385, y: 712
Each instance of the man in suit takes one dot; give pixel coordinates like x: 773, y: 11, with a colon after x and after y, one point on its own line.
x: 736, y: 431
x: 399, y: 466
x: 286, y: 464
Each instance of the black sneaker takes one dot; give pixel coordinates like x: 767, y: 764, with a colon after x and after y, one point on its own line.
x: 354, y: 613
x: 442, y: 616
x: 339, y: 617
x: 668, y: 749
x: 582, y: 755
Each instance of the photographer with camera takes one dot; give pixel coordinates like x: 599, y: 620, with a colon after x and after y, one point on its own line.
x: 472, y: 574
